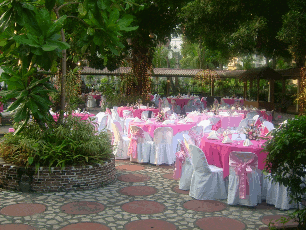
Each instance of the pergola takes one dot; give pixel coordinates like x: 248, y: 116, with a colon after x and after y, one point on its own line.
x: 244, y: 75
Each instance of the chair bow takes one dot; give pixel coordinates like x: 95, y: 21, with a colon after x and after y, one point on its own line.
x: 108, y: 111
x: 242, y: 169
x: 180, y: 159
x: 216, y: 126
x: 133, y: 144
x: 196, y: 137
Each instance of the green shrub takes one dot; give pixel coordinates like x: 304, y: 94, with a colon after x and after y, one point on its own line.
x: 287, y: 161
x: 72, y: 143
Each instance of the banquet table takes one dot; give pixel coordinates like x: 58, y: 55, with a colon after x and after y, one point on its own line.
x: 136, y: 112
x: 83, y: 116
x: 180, y: 101
x: 217, y: 153
x: 232, y: 101
x: 262, y: 113
x: 226, y: 121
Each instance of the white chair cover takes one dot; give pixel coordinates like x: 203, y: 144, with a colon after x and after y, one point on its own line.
x: 91, y: 102
x: 177, y: 109
x: 269, y: 125
x: 277, y: 194
x: 100, y: 115
x: 250, y: 115
x: 163, y: 152
x: 243, y: 123
x: 121, y: 142
x: 126, y: 125
x: 145, y: 114
x: 243, y: 171
x: 187, y: 168
x: 115, y: 116
x: 144, y: 143
x: 205, y: 124
x: 103, y: 123
x: 207, y: 180
x: 165, y: 103
x: 199, y: 106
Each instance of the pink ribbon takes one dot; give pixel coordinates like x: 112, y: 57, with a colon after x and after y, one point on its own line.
x: 196, y: 137
x: 133, y: 144
x: 258, y: 123
x: 180, y: 159
x: 264, y: 131
x: 242, y: 169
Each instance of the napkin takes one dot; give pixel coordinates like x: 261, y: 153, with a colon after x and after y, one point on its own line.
x: 226, y: 132
x: 182, y: 122
x: 227, y: 140
x: 254, y: 108
x: 235, y: 113
x: 213, y: 135
x: 233, y: 108
x: 137, y: 120
x: 247, y: 142
x: 143, y: 107
x: 149, y: 122
x: 173, y: 117
x: 263, y: 110
x: 167, y: 122
x: 239, y: 108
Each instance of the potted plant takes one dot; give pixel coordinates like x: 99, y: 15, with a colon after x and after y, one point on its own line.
x: 286, y: 161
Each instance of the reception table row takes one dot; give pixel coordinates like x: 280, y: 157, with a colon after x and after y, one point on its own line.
x: 136, y: 112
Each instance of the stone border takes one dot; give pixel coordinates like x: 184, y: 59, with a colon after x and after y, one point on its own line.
x: 13, y: 177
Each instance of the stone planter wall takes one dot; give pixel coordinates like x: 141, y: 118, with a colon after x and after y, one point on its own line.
x: 50, y: 180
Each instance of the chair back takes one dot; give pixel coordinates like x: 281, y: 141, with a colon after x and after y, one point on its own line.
x: 243, y: 123
x: 250, y: 115
x: 269, y: 125
x: 177, y: 109
x: 145, y: 115
x: 187, y: 141
x: 214, y: 120
x: 115, y: 115
x: 165, y: 103
x: 127, y: 124
x: 138, y: 133
x: 116, y: 131
x: 100, y: 115
x: 103, y: 123
x: 196, y: 134
x: 248, y: 158
x: 198, y: 159
x: 127, y: 114
x: 163, y: 135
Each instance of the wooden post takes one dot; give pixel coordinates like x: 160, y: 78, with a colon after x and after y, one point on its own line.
x: 168, y: 86
x: 283, y: 90
x: 258, y: 90
x: 298, y: 92
x: 212, y: 87
x: 245, y: 89
x: 271, y: 91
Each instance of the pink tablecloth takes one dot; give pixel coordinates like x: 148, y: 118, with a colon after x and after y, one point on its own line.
x: 96, y: 96
x: 217, y: 153
x: 179, y: 101
x: 83, y: 116
x: 136, y: 112
x: 263, y: 114
x: 149, y: 128
x: 231, y: 101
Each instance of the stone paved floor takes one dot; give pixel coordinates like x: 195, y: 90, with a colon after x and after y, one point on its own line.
x: 143, y: 197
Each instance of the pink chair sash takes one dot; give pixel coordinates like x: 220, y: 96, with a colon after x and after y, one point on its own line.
x: 180, y: 159
x: 241, y: 169
x: 195, y: 137
x: 11, y: 130
x: 133, y: 144
x: 258, y: 123
x: 216, y: 126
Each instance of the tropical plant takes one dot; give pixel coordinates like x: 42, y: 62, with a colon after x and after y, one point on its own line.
x: 286, y: 162
x: 74, y: 142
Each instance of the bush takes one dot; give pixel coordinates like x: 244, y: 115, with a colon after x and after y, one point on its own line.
x: 287, y: 161
x: 73, y: 143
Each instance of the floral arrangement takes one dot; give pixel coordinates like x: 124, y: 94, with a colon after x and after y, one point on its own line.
x: 160, y: 117
x: 252, y: 132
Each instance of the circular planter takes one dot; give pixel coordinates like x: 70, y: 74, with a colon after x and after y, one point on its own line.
x: 56, y: 179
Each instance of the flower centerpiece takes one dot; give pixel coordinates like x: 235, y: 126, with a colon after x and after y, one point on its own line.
x: 252, y: 132
x: 160, y: 117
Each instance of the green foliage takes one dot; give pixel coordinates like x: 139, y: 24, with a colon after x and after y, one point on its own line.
x: 70, y: 144
x: 287, y: 160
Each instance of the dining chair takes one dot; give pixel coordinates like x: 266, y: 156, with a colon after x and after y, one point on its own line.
x: 178, y: 109
x: 103, y: 124
x: 146, y: 114
x: 207, y: 181
x: 91, y: 102
x: 206, y: 126
x: 127, y: 124
x: 115, y: 116
x: 121, y: 142
x: 269, y: 125
x: 196, y: 134
x: 244, y: 184
x: 187, y: 167
x: 127, y: 114
x: 163, y: 152
x: 142, y: 143
x: 251, y: 114
x: 100, y: 115
x: 276, y: 194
